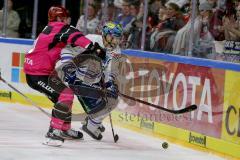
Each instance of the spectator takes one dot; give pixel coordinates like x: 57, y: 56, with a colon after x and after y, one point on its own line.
x: 125, y: 17
x: 205, y: 44
x: 92, y: 20
x: 232, y: 26
x: 118, y: 3
x: 162, y: 15
x: 134, y: 39
x: 216, y: 25
x: 13, y: 21
x: 180, y: 3
x: 174, y: 17
x: 134, y: 10
x: 155, y: 5
x: 135, y: 30
x: 163, y: 37
x: 181, y: 41
x: 213, y: 3
x: 205, y: 12
x: 117, y: 6
x: 111, y: 12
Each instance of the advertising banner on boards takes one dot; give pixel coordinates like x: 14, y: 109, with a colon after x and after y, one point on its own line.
x: 231, y: 114
x: 174, y: 86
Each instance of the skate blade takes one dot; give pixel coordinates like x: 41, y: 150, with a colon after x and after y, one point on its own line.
x: 52, y: 142
x: 71, y: 139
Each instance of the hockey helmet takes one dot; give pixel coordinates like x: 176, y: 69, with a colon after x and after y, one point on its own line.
x: 112, y: 34
x: 113, y: 29
x: 57, y: 11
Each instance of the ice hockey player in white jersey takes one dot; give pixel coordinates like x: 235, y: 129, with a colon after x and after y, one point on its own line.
x: 95, y: 76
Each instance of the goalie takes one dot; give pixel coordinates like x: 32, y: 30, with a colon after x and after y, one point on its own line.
x: 94, y: 80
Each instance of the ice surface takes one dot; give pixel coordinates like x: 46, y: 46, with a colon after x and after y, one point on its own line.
x: 22, y: 131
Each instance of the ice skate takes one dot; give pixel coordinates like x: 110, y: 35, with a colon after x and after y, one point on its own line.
x: 92, y: 129
x: 100, y: 126
x: 71, y: 134
x: 54, y: 138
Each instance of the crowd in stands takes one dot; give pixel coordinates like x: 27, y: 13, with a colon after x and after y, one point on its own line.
x: 13, y: 21
x: 216, y: 31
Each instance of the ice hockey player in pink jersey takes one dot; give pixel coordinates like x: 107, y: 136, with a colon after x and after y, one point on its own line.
x: 40, y: 63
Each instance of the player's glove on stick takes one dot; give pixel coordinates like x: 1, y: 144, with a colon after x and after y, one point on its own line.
x: 112, y: 89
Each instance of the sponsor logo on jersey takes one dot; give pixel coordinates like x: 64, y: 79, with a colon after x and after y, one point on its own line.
x: 28, y: 61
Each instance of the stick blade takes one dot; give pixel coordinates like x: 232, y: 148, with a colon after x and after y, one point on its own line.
x: 187, y: 109
x: 116, y: 138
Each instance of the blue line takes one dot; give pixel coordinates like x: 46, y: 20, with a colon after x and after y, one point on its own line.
x: 17, y: 41
x: 184, y: 59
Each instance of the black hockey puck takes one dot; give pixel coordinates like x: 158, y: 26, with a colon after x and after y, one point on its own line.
x: 116, y: 138
x: 165, y: 145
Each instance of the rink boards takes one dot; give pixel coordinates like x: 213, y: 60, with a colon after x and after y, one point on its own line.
x: 165, y: 80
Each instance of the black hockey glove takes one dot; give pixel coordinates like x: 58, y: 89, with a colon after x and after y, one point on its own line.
x: 97, y: 50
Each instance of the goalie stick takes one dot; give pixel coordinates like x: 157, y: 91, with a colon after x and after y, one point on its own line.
x: 181, y: 111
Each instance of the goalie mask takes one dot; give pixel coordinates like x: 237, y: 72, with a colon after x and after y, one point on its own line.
x: 112, y: 35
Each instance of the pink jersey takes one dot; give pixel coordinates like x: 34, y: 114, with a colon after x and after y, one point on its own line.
x: 42, y: 58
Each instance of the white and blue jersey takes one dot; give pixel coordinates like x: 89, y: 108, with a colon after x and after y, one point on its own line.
x: 110, y: 64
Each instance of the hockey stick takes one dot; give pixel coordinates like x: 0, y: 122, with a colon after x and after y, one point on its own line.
x: 115, y: 136
x: 23, y: 95
x: 181, y: 111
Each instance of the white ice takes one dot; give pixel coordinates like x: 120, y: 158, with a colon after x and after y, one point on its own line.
x: 22, y: 130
